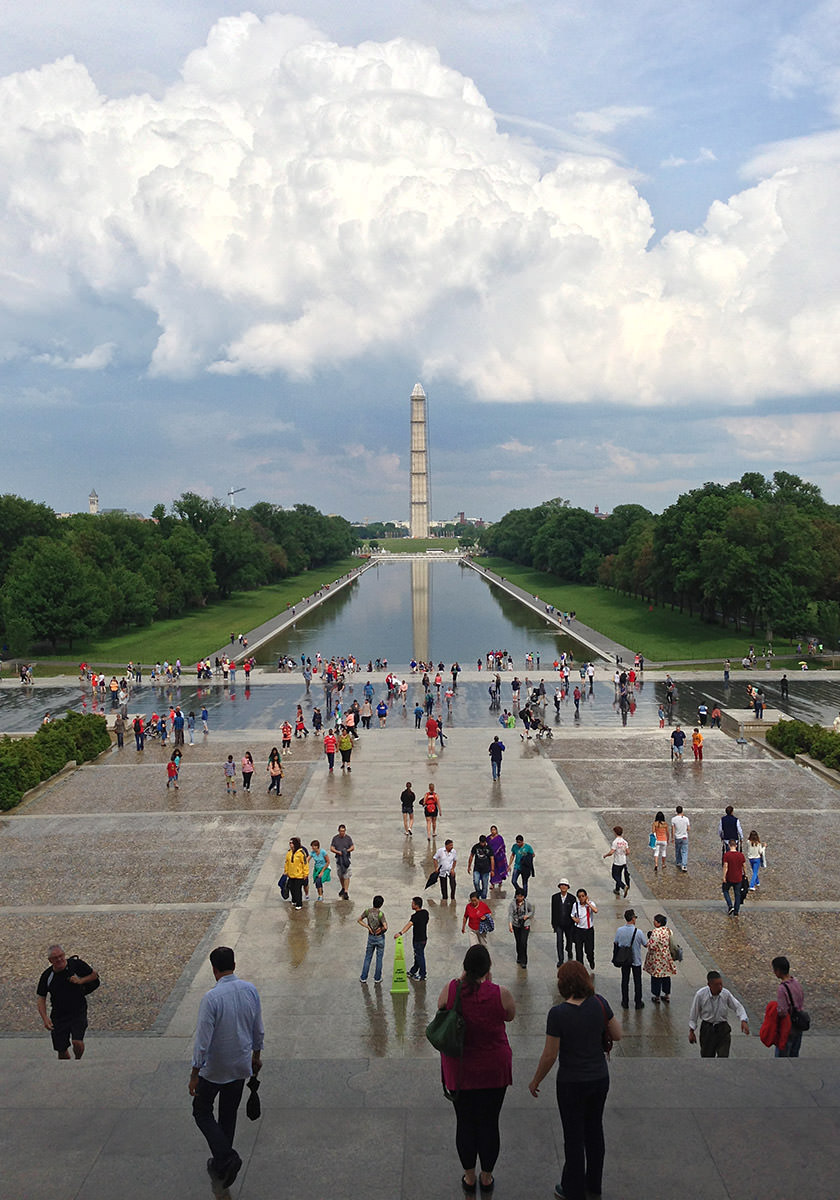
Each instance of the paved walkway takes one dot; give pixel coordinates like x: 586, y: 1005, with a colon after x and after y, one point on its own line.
x: 146, y: 881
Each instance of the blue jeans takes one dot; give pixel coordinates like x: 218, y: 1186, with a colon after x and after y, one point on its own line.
x: 481, y: 881
x: 736, y: 888
x: 495, y: 767
x: 419, y: 967
x: 376, y: 941
x: 755, y: 863
x: 520, y: 881
x: 219, y: 1133
x: 681, y: 852
x: 792, y: 1045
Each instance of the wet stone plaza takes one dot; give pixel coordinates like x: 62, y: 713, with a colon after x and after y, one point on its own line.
x: 143, y: 881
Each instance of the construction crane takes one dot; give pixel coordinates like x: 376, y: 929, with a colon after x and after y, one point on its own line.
x: 231, y: 493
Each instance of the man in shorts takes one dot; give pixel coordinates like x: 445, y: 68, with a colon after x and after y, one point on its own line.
x: 65, y: 981
x: 677, y: 743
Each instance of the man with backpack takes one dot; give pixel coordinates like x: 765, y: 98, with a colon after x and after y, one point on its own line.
x: 67, y: 981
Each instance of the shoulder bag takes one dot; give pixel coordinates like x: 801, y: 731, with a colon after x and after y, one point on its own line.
x: 799, y: 1018
x: 622, y: 956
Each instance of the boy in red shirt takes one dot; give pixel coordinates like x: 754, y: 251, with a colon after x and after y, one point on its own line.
x: 733, y: 874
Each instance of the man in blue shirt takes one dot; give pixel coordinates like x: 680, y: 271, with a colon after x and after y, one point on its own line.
x: 521, y: 864
x: 627, y: 935
x: 228, y: 1041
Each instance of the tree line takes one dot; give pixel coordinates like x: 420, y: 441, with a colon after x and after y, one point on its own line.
x: 84, y: 575
x: 760, y: 554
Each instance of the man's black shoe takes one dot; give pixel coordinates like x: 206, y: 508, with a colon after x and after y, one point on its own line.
x: 233, y: 1170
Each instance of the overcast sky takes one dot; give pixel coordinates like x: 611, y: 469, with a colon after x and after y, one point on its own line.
x: 603, y: 236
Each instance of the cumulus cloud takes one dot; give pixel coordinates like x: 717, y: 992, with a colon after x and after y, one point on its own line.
x: 291, y: 204
x: 608, y: 119
x: 514, y: 446
x: 95, y: 360
x: 705, y: 155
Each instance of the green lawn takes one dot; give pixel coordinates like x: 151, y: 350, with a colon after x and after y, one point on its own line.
x: 657, y: 633
x: 200, y: 632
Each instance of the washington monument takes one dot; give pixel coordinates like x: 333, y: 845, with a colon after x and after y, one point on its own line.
x: 419, y: 508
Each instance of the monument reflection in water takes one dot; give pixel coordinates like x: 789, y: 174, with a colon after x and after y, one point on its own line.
x: 422, y: 609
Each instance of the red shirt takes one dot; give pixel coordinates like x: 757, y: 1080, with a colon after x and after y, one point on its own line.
x: 431, y: 728
x: 329, y: 743
x: 734, y: 862
x: 474, y: 913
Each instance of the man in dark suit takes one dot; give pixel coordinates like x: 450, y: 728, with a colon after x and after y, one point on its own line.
x: 561, y: 920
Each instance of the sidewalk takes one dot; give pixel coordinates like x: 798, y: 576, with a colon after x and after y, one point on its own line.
x: 351, y: 1091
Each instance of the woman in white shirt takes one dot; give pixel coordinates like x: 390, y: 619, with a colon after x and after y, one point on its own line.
x: 754, y: 850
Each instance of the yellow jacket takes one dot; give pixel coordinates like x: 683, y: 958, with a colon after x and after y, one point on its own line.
x: 297, y: 865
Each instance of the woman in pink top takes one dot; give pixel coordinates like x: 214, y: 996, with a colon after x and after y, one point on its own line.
x: 480, y: 1078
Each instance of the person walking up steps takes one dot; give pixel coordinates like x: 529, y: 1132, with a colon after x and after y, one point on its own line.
x: 229, y: 769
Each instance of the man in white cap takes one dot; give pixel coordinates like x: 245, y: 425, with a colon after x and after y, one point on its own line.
x: 561, y: 920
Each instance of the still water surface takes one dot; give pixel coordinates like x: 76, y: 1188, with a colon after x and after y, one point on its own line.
x: 438, y: 611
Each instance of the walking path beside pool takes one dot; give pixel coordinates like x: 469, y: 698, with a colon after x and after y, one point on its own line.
x: 144, y: 882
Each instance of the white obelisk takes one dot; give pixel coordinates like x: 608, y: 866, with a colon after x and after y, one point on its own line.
x: 419, y: 509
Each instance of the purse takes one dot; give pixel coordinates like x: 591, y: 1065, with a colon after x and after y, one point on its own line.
x: 486, y: 924
x: 606, y: 1040
x: 446, y: 1029
x: 652, y: 840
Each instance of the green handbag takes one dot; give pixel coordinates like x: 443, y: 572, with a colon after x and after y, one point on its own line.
x: 446, y: 1029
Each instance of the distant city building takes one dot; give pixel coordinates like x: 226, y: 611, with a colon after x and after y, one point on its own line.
x: 419, y: 466
x: 93, y: 502
x: 601, y: 516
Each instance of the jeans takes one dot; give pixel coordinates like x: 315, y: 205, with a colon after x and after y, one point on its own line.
x: 625, y: 985
x: 219, y: 1134
x: 755, y: 863
x: 496, y: 767
x: 419, y: 967
x: 619, y: 873
x: 481, y: 881
x: 520, y: 936
x: 681, y: 852
x: 581, y: 1107
x: 519, y: 880
x: 375, y: 942
x: 791, y: 1047
x: 736, y: 887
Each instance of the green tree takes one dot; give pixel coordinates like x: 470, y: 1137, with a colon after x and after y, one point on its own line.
x: 49, y: 595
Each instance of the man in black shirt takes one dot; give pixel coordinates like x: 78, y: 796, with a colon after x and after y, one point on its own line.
x: 418, y: 923
x: 66, y: 981
x: 481, y: 863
